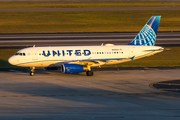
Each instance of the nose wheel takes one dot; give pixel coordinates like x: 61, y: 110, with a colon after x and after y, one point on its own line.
x: 32, y: 71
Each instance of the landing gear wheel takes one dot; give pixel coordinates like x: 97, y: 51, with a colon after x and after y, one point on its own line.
x: 89, y: 73
x: 31, y: 73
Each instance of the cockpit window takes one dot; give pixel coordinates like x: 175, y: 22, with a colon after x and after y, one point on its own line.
x: 21, y: 54
x: 17, y: 54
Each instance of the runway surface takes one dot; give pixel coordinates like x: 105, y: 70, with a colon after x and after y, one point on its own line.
x: 24, y: 40
x: 108, y: 95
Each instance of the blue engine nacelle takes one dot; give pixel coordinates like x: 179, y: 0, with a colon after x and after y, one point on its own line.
x: 72, y: 68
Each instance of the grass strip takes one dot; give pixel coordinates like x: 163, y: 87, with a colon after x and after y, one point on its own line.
x: 83, y: 4
x: 169, y: 58
x: 92, y: 21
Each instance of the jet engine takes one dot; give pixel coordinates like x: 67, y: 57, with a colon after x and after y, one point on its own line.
x: 72, y: 68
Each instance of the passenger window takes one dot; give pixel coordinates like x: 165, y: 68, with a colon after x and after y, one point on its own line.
x: 24, y: 54
x: 20, y: 54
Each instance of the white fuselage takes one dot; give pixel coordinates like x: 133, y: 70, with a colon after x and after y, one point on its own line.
x: 84, y: 55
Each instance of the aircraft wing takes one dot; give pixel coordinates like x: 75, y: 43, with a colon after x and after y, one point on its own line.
x: 97, y: 62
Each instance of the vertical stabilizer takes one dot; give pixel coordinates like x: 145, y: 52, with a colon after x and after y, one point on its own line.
x: 147, y: 36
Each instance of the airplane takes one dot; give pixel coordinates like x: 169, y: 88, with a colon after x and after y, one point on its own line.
x: 77, y: 59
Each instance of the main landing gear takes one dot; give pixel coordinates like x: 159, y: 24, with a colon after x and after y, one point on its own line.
x: 32, y: 71
x: 89, y: 73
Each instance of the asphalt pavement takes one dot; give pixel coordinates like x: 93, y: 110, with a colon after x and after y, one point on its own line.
x: 108, y: 95
x: 64, y: 39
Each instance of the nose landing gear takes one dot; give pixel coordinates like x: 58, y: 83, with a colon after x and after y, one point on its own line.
x: 32, y: 71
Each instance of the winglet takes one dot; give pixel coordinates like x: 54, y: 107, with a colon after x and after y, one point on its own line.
x: 132, y: 58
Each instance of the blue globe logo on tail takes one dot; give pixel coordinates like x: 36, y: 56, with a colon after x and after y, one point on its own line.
x: 147, y: 36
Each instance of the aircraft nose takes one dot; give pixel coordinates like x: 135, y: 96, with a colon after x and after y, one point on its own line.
x: 11, y: 60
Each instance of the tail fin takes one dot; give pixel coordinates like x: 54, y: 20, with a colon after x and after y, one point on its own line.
x: 147, y: 36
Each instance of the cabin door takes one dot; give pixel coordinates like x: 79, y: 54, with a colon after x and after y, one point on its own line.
x: 131, y: 52
x: 34, y: 54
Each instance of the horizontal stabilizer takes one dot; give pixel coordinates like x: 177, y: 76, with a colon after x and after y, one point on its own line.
x: 154, y: 50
